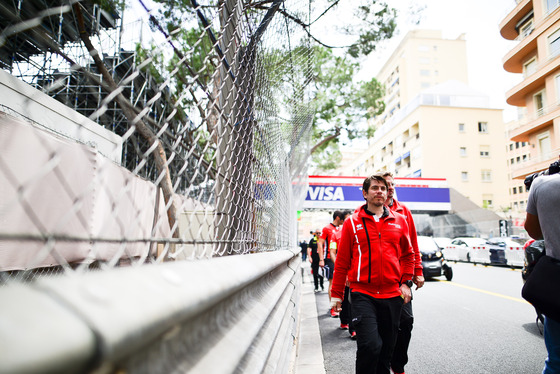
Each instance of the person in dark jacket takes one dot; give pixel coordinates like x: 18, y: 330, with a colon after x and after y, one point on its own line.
x: 314, y: 258
x: 377, y: 257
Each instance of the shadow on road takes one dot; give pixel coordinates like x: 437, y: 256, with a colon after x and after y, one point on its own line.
x: 534, y: 329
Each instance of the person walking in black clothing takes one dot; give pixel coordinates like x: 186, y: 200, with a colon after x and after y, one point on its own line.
x: 314, y: 260
x: 303, y: 245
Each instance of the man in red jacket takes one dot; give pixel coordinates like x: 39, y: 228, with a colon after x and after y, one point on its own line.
x: 400, y: 354
x: 376, y: 255
x: 323, y: 247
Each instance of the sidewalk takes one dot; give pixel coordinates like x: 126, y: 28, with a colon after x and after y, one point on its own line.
x: 309, y: 356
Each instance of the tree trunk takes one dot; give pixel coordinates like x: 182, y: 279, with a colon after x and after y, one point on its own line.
x: 159, y: 155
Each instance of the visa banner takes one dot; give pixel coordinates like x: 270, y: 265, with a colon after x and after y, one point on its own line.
x: 419, y: 194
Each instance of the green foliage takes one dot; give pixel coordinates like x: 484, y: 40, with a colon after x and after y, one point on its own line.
x: 377, y: 24
x: 110, y: 5
x: 328, y: 159
x: 342, y: 104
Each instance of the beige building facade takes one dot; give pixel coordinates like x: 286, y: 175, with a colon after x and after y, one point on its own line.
x: 422, y: 60
x: 535, y: 24
x: 435, y: 126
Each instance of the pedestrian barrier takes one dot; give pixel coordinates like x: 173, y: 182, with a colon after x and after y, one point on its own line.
x: 451, y: 253
x: 480, y: 255
x: 515, y: 256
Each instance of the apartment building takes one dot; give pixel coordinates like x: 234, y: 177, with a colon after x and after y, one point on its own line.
x: 518, y: 154
x: 423, y: 59
x: 535, y: 24
x: 435, y: 125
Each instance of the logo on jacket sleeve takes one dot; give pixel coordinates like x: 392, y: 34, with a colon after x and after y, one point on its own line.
x: 395, y: 224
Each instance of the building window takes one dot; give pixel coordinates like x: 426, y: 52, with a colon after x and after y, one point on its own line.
x: 487, y: 200
x: 511, y: 147
x: 486, y: 175
x: 515, y: 190
x: 544, y: 145
x: 484, y: 151
x: 551, y: 5
x: 463, y: 151
x: 526, y: 28
x: 554, y: 43
x: 424, y: 72
x: 557, y: 81
x: 511, y: 162
x: 483, y: 127
x: 516, y: 145
x: 539, y: 103
x: 464, y: 176
x: 530, y: 67
x: 462, y: 127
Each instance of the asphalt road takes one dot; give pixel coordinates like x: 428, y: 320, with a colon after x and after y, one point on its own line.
x: 477, y: 323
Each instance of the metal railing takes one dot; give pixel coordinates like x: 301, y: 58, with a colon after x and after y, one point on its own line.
x: 149, y: 177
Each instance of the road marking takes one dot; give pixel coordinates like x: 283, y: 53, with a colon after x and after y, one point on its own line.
x: 519, y: 300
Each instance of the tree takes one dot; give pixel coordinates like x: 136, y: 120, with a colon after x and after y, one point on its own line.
x: 341, y: 105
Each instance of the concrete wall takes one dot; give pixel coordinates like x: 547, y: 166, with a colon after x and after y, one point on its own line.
x: 19, y: 99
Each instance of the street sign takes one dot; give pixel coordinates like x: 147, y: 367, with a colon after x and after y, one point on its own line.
x: 503, y: 228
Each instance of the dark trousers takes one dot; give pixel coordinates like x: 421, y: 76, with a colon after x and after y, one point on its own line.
x: 376, y: 322
x: 400, y: 353
x: 346, y: 313
x: 315, y: 268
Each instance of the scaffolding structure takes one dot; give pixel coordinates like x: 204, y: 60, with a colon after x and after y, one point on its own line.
x: 31, y: 57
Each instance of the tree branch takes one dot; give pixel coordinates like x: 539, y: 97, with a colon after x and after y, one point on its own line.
x: 326, y: 140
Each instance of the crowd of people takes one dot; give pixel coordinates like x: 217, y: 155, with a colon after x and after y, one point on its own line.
x: 371, y: 260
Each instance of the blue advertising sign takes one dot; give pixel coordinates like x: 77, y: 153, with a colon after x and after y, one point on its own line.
x: 419, y: 194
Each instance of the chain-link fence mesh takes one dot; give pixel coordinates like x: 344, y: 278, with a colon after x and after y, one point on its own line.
x: 149, y: 131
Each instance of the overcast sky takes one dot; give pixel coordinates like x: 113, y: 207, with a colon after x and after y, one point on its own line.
x: 479, y: 20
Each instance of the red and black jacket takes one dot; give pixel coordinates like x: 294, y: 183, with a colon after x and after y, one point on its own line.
x: 375, y: 256
x: 402, y: 209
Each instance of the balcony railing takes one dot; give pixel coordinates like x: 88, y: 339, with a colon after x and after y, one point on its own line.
x: 537, y: 23
x: 536, y: 161
x: 527, y: 118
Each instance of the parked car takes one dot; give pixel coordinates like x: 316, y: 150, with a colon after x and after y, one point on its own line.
x: 432, y: 259
x: 442, y: 242
x: 464, y: 248
x: 512, y: 248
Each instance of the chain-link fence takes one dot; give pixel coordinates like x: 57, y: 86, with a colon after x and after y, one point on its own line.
x: 144, y: 132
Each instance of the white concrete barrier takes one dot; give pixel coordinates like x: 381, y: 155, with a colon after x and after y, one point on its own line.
x: 515, y: 256
x: 450, y: 253
x: 480, y: 255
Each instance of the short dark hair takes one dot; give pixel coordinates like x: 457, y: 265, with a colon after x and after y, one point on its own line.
x: 387, y: 174
x: 377, y: 177
x: 338, y: 213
